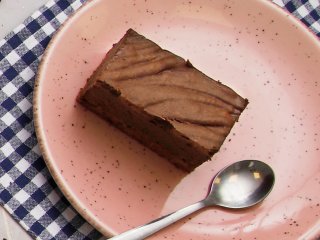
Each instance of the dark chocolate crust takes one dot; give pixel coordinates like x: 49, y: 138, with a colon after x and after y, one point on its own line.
x: 162, y: 101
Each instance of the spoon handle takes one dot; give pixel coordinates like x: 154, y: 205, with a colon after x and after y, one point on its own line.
x: 154, y: 226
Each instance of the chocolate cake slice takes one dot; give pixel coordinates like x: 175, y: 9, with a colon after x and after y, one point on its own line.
x: 161, y: 100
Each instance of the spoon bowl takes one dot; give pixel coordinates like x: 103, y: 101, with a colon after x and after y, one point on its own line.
x: 240, y: 185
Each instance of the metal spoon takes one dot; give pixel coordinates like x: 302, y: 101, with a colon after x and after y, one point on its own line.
x: 239, y: 185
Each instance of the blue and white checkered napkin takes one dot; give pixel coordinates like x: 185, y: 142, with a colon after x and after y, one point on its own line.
x: 27, y: 190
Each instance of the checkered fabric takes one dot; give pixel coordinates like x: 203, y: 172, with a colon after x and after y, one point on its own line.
x: 307, y: 11
x: 27, y: 190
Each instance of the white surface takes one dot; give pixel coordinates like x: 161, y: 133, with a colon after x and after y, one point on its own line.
x: 9, y: 229
x: 12, y: 13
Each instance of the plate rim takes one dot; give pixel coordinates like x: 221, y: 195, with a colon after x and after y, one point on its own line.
x: 39, y: 131
x: 54, y: 171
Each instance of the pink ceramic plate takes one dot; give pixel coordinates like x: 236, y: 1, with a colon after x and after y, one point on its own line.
x: 252, y: 46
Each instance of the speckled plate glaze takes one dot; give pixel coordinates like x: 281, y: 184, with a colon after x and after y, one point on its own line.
x: 252, y: 46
